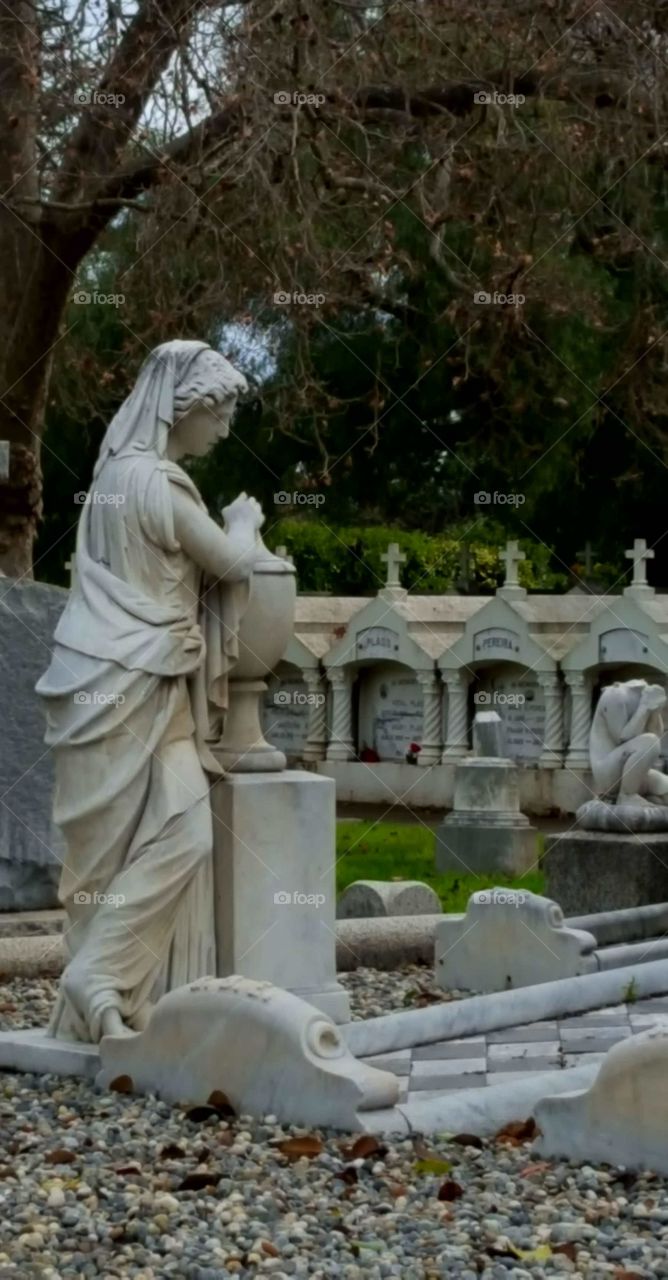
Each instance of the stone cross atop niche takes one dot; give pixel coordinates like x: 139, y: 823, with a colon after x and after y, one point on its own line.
x: 394, y: 559
x: 512, y: 558
x: 586, y: 581
x: 639, y: 556
x: 587, y: 557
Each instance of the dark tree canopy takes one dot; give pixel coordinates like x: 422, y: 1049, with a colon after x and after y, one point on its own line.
x: 434, y: 233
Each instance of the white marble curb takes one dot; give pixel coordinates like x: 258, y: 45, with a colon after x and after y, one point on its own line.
x: 480, y: 1111
x: 480, y: 1014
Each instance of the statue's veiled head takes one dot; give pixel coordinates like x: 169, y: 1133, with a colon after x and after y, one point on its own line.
x: 182, y: 402
x: 204, y: 403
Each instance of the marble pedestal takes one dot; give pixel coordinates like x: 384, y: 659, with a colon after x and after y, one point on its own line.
x: 274, y: 873
x: 486, y: 830
x: 588, y: 871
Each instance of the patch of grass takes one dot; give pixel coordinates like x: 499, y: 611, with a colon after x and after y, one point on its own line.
x: 398, y: 851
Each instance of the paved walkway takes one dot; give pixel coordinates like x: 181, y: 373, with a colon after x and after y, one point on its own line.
x: 517, y: 1052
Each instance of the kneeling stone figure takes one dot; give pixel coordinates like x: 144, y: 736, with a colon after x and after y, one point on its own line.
x: 624, y: 751
x: 625, y: 744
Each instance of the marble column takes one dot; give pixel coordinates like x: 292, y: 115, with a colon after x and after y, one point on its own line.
x: 578, y: 748
x: 456, y: 737
x: 552, y: 755
x: 432, y: 745
x: 341, y: 745
x: 316, y: 738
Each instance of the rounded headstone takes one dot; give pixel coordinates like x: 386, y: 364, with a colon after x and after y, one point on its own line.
x: 367, y: 898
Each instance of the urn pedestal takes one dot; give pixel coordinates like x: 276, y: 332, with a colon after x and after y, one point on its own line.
x: 274, y: 829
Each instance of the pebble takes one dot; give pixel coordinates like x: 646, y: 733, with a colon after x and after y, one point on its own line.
x: 268, y: 1216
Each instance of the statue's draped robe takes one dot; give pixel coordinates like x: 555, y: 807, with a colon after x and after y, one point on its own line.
x: 140, y: 665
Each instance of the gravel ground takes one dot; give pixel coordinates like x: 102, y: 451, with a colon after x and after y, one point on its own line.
x: 114, y: 1186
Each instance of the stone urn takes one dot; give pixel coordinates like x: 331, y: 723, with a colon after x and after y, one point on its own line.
x: 265, y: 631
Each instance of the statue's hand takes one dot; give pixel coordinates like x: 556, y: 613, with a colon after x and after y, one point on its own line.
x: 653, y: 697
x: 243, y: 510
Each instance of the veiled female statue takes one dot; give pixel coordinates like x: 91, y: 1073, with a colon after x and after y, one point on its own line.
x: 139, y: 672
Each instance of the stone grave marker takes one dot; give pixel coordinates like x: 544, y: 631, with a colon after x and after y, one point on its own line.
x: 397, y: 716
x: 31, y: 847
x: 285, y: 715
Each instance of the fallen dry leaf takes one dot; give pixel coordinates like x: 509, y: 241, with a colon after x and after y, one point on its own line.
x: 540, y: 1254
x: 517, y: 1132
x: 199, y: 1114
x: 365, y: 1146
x: 270, y: 1249
x: 450, y: 1190
x: 433, y: 1165
x: 295, y: 1148
x: 198, y: 1181
x: 122, y: 1084
x: 60, y: 1156
x: 222, y: 1104
x: 128, y: 1168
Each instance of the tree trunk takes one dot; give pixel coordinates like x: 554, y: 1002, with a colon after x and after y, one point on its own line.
x: 26, y: 318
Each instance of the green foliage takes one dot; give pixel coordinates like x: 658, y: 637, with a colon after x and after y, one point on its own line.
x: 403, y: 851
x: 347, y: 560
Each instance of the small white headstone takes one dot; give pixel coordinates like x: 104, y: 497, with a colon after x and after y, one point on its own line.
x: 366, y: 898
x: 488, y: 737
